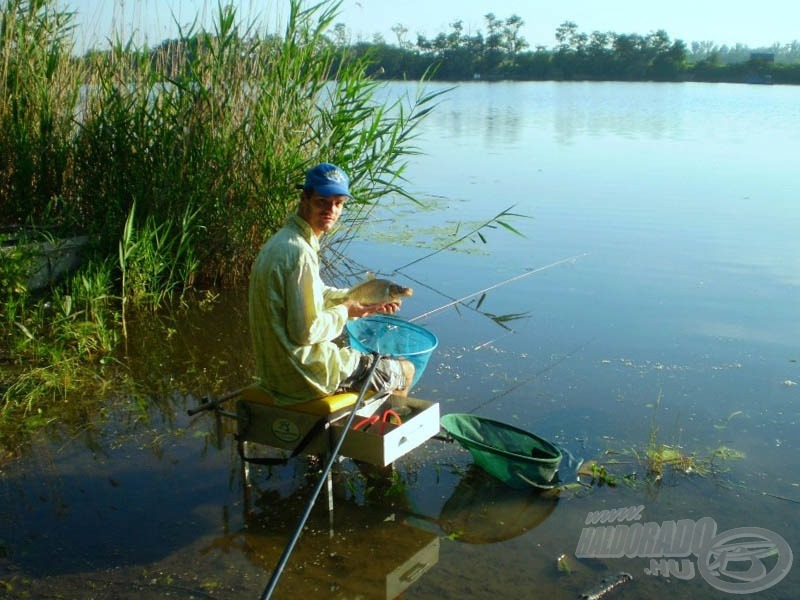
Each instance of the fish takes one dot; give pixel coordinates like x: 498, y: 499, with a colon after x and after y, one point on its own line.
x: 378, y: 291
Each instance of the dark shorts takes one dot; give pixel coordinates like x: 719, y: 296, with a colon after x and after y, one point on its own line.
x: 387, y: 376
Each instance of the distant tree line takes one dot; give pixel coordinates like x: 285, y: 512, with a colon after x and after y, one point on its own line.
x: 502, y: 53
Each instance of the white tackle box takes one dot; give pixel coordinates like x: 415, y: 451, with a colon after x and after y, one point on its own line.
x: 375, y: 435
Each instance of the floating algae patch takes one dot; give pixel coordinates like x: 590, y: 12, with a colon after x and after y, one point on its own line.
x: 659, y: 460
x: 726, y: 453
x: 635, y: 466
x: 411, y: 226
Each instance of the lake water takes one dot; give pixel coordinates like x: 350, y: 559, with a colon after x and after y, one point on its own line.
x: 659, y: 309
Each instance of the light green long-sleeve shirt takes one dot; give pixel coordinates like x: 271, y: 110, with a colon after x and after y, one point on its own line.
x: 294, y: 318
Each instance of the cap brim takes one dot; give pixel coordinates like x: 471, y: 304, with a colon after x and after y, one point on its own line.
x: 332, y: 190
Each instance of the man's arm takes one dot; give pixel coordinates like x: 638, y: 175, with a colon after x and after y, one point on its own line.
x: 308, y: 321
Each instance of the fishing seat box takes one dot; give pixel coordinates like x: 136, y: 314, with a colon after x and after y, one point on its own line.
x: 261, y: 421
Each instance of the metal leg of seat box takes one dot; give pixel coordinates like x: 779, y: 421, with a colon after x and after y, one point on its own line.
x: 329, y: 483
x: 245, y: 464
x: 244, y: 471
x: 330, y: 504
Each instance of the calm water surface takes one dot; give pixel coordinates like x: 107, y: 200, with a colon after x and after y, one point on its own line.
x: 676, y: 321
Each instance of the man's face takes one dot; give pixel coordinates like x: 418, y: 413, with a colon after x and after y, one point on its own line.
x: 321, y: 212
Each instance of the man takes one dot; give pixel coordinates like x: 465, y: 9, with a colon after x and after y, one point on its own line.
x: 295, y: 317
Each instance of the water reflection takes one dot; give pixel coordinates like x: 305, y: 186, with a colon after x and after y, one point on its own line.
x: 200, y: 349
x: 503, y: 115
x: 77, y: 514
x: 482, y: 510
x: 506, y: 115
x: 360, y: 550
x: 374, y: 549
x: 611, y: 111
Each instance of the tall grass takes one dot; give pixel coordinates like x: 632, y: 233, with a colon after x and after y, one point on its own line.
x: 220, y: 124
x: 39, y: 88
x: 226, y: 122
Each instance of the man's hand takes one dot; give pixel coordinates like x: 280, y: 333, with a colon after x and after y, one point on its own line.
x: 356, y: 309
x: 389, y: 308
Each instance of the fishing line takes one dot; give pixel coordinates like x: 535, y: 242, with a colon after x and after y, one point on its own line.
x: 433, y: 289
x: 497, y: 285
x: 492, y: 341
x: 530, y: 378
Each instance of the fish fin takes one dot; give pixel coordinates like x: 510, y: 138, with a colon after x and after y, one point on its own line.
x: 369, y: 276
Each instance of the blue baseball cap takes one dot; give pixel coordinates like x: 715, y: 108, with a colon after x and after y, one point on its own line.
x: 327, y: 180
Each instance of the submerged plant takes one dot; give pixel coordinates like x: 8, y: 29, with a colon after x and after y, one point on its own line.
x: 652, y: 463
x: 58, y: 347
x: 659, y: 459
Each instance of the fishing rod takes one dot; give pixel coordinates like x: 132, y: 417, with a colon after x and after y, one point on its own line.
x: 209, y: 404
x: 461, y: 300
x: 276, y: 574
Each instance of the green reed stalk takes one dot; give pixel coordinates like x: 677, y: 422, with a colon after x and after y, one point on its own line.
x: 39, y: 88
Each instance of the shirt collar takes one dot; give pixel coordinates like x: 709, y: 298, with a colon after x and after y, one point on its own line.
x: 305, y: 229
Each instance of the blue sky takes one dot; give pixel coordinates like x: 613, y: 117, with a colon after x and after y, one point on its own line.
x: 754, y: 24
